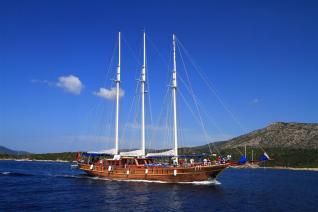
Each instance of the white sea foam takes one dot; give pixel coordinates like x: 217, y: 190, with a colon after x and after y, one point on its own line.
x: 122, y: 180
x: 206, y: 182
x: 5, y: 173
x: 143, y: 181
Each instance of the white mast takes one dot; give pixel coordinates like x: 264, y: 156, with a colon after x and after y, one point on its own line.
x: 117, y: 97
x: 142, y: 90
x: 174, y: 90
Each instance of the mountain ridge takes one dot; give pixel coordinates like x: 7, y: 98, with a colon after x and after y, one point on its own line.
x: 5, y: 150
x: 278, y: 135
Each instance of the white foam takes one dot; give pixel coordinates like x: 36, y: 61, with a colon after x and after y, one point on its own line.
x: 124, y: 180
x: 206, y: 182
x: 142, y: 181
x: 5, y: 173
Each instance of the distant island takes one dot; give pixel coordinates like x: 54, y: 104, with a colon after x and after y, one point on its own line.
x: 289, y: 144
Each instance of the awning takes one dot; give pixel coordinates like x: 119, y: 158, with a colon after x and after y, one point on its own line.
x: 134, y: 153
x: 169, y: 153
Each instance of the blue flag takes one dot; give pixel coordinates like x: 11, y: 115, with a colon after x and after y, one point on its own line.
x: 242, y: 160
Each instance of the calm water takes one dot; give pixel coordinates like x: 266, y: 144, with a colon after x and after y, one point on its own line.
x: 54, y: 186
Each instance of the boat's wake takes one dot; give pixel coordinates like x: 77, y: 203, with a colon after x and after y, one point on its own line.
x: 206, y: 182
x: 14, y: 174
x: 5, y: 173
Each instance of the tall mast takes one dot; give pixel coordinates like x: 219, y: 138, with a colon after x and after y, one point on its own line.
x: 117, y: 97
x: 174, y: 90
x: 142, y: 90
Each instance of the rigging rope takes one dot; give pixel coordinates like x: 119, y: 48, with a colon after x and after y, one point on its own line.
x: 194, y: 100
x: 210, y: 87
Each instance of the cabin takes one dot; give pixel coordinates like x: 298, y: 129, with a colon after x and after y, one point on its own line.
x: 128, y: 161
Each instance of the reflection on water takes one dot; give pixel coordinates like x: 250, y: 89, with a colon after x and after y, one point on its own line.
x: 142, y: 191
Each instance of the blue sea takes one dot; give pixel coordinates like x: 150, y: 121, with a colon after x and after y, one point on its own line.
x: 51, y: 186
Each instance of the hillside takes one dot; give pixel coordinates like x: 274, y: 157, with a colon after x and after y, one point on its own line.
x: 278, y: 135
x: 289, y: 144
x: 63, y: 156
x: 4, y: 150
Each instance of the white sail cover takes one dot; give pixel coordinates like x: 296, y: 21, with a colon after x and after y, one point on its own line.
x: 134, y: 153
x: 106, y: 152
x: 166, y: 153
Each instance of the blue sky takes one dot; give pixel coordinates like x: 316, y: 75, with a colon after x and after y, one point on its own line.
x: 261, y: 57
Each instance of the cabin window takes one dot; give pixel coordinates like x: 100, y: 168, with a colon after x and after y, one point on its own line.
x: 130, y: 162
x: 148, y: 161
x: 141, y: 162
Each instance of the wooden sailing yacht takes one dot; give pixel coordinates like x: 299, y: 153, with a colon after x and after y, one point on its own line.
x: 137, y: 165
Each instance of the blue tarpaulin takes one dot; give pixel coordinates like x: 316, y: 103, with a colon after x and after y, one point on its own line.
x: 242, y: 160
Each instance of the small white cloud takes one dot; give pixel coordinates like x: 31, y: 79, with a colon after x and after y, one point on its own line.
x: 109, y: 94
x: 71, y: 84
x: 256, y: 101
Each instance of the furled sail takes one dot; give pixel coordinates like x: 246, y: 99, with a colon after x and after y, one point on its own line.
x: 264, y: 157
x: 166, y: 153
x: 106, y: 152
x: 134, y: 153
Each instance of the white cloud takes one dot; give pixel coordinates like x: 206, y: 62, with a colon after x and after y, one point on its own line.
x: 109, y: 94
x: 71, y: 84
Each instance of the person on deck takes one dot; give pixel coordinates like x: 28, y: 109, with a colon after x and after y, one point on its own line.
x: 219, y: 159
x: 192, y: 161
x: 205, y: 161
x: 209, y: 162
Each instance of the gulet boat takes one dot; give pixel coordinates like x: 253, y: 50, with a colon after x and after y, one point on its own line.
x: 137, y: 165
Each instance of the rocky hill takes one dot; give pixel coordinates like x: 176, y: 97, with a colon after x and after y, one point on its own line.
x: 278, y: 135
x: 5, y: 150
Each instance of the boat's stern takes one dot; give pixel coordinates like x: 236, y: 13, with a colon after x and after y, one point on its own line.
x: 214, y: 171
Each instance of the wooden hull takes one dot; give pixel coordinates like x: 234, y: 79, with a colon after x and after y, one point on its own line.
x: 165, y: 174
